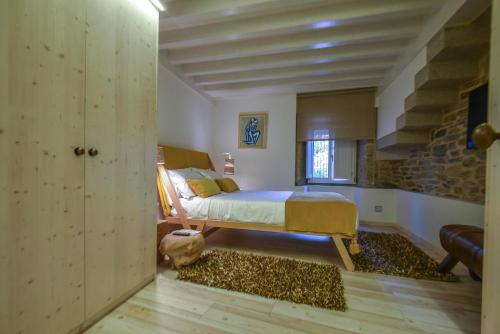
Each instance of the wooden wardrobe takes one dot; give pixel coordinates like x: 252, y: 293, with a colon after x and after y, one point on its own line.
x: 77, y: 163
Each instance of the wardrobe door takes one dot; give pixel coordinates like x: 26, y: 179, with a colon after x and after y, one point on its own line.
x: 120, y: 123
x: 42, y: 85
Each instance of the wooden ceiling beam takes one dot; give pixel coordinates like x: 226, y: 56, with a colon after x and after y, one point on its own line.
x: 292, y: 89
x: 341, y: 67
x: 327, y: 55
x: 342, y: 13
x: 190, y: 13
x: 346, y: 35
x: 315, y: 79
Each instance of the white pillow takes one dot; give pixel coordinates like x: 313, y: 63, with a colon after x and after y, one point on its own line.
x: 208, y: 173
x: 179, y: 179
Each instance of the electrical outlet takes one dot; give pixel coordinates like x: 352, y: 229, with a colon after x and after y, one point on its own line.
x: 378, y: 208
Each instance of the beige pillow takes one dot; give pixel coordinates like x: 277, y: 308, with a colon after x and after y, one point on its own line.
x: 227, y: 185
x: 204, y: 187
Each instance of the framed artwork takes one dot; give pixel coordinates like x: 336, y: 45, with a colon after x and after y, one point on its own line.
x: 252, y: 130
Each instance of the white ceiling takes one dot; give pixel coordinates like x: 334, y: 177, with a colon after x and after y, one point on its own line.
x: 234, y: 47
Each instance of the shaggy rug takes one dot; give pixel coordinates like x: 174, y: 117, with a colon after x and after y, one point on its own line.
x: 393, y: 254
x: 269, y: 276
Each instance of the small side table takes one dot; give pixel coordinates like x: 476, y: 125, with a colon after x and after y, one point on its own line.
x: 183, y: 249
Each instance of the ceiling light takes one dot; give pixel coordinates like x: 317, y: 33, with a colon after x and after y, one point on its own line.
x: 324, y: 24
x: 323, y: 45
x: 158, y: 5
x: 323, y: 61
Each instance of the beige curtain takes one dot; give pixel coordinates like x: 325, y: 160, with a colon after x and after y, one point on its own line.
x: 300, y: 164
x: 347, y: 115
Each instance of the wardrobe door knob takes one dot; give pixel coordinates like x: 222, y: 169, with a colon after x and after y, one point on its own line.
x: 93, y: 152
x: 79, y: 151
x: 484, y: 135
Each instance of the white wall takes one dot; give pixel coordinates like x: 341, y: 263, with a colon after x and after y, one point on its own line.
x: 391, y: 100
x: 421, y: 214
x: 185, y: 118
x: 424, y: 215
x: 272, y: 168
x: 366, y: 199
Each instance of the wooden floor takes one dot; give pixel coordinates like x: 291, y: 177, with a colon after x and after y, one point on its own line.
x: 377, y: 304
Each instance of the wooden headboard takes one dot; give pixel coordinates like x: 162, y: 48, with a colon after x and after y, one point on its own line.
x: 177, y: 158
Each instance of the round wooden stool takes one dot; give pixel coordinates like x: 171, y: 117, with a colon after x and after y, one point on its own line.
x: 183, y: 247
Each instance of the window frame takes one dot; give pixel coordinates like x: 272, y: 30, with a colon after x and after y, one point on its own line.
x: 331, y: 166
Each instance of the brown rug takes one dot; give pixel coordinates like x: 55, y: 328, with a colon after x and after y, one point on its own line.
x: 269, y: 276
x: 393, y: 254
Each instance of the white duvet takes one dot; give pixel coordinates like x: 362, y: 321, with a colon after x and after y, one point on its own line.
x: 267, y: 207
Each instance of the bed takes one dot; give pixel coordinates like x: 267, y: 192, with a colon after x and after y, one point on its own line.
x: 320, y: 213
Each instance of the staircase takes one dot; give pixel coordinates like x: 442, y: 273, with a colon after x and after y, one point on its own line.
x: 452, y: 59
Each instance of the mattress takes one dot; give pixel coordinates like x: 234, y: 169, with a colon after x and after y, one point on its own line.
x: 321, y: 212
x: 266, y: 207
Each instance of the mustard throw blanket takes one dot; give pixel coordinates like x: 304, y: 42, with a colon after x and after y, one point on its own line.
x: 321, y: 212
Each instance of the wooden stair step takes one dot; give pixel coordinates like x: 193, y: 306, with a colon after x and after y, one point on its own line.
x: 424, y: 100
x: 447, y: 73
x: 403, y: 140
x: 419, y: 120
x: 465, y: 42
x: 453, y: 57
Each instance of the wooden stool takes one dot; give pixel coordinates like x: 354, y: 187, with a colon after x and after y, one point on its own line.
x: 182, y: 250
x: 463, y: 243
x: 162, y: 229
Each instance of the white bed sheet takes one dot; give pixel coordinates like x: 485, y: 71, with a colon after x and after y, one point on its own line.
x: 267, y: 207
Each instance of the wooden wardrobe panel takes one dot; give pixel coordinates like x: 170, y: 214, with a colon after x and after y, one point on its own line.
x: 120, y: 225
x: 41, y: 180
x: 4, y: 192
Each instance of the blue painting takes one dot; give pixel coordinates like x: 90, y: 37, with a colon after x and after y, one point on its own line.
x: 252, y: 130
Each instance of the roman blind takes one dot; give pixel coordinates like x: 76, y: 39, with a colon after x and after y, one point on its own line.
x: 346, y: 115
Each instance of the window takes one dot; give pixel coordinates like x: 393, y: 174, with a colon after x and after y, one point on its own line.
x: 330, y: 161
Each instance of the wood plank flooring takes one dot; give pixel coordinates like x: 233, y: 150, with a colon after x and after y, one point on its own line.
x: 378, y: 304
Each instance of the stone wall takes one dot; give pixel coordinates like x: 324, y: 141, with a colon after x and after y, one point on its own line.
x: 445, y: 167
x: 367, y: 165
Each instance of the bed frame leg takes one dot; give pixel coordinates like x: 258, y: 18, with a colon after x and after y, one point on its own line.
x: 185, y: 224
x: 346, y: 259
x: 354, y: 246
x: 207, y: 232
